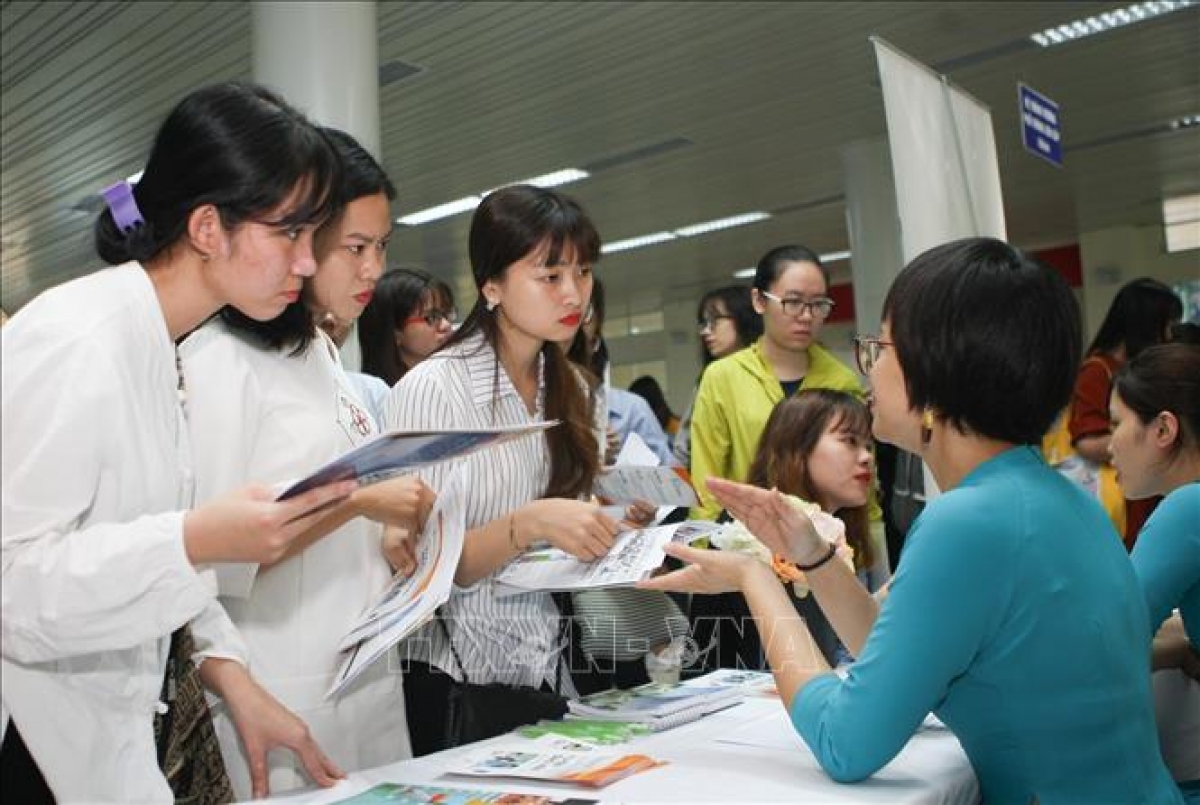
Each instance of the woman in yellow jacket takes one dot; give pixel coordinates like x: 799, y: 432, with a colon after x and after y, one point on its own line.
x: 738, y: 392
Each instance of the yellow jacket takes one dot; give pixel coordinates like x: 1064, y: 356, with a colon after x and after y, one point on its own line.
x: 736, y: 396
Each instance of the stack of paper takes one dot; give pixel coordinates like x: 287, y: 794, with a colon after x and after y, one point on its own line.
x: 659, y: 706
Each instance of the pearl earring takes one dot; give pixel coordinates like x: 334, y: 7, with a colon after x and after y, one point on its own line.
x: 491, y: 305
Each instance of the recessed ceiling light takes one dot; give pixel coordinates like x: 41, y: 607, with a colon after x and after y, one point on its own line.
x: 633, y: 243
x: 722, y: 223
x: 553, y: 179
x: 829, y: 257
x: 440, y: 211
x: 1116, y: 18
x: 564, y: 176
x: 1181, y: 222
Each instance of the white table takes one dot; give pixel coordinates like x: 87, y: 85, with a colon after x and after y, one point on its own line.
x: 768, y: 763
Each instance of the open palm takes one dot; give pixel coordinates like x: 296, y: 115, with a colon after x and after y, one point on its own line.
x: 784, y: 529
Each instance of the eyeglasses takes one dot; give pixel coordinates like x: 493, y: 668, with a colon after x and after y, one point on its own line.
x: 820, y: 307
x: 709, y: 323
x: 434, y: 318
x: 866, y: 351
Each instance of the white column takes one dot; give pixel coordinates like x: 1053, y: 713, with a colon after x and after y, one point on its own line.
x: 323, y: 58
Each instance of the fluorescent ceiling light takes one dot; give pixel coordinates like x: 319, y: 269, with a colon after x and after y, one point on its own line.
x: 722, y: 223
x: 1181, y: 209
x: 556, y: 178
x: 553, y: 179
x: 1116, y: 18
x: 440, y: 211
x: 829, y: 257
x: 633, y: 243
x: 1181, y: 222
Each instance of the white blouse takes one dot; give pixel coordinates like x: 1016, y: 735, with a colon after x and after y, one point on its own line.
x: 95, y: 574
x: 266, y: 415
x: 512, y: 640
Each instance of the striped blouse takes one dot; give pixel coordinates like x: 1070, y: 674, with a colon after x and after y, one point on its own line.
x: 512, y: 640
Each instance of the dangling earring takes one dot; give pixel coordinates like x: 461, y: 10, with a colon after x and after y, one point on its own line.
x: 926, y: 426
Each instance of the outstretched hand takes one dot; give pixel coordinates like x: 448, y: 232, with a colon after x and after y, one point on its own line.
x: 706, y: 571
x: 776, y: 523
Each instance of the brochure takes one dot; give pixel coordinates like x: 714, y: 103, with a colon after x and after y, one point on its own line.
x: 552, y: 758
x: 403, y: 794
x: 658, y: 705
x: 582, y: 729
x: 634, y: 556
x: 396, y: 452
x: 409, y: 601
x: 663, y: 486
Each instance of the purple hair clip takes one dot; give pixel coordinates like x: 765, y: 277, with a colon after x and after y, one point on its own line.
x: 125, y: 212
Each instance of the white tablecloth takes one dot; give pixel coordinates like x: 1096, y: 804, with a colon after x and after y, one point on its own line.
x: 748, y: 753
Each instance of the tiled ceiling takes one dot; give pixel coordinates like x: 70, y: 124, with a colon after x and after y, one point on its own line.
x: 687, y: 111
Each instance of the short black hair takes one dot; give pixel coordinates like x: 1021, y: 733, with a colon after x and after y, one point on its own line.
x: 987, y: 336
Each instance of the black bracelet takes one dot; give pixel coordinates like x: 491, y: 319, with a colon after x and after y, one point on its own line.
x: 820, y: 562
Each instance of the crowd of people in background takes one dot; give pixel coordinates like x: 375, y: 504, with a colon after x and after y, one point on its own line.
x: 170, y: 628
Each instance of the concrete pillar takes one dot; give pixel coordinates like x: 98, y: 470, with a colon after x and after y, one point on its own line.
x: 323, y: 58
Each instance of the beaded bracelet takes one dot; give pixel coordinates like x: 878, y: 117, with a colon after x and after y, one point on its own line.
x: 820, y: 562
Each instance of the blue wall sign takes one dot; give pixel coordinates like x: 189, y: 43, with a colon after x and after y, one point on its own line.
x: 1041, y: 129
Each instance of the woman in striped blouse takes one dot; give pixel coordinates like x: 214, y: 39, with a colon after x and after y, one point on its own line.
x: 531, y: 253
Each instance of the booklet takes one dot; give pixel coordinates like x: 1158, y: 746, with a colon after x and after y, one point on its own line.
x: 634, y: 556
x: 409, y: 601
x: 658, y: 705
x: 552, y: 758
x: 396, y: 452
x: 403, y: 794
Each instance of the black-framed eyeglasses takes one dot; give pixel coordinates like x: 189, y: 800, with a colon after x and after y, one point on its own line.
x: 866, y: 351
x: 706, y: 324
x: 820, y: 307
x: 435, y: 317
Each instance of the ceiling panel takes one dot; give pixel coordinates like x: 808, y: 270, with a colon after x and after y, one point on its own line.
x: 767, y: 94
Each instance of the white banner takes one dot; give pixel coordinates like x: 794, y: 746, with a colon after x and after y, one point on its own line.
x: 943, y: 155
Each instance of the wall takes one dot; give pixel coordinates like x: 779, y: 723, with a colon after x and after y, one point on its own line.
x: 1112, y: 257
